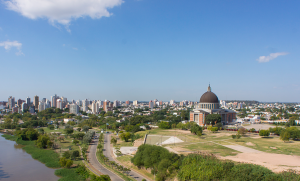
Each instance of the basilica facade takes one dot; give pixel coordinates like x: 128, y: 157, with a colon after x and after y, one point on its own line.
x: 209, y: 104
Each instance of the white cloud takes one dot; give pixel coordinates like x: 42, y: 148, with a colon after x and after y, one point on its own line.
x: 9, y: 44
x: 263, y: 59
x: 75, y: 48
x: 62, y: 11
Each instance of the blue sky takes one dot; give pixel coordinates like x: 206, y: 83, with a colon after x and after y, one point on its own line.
x: 150, y: 49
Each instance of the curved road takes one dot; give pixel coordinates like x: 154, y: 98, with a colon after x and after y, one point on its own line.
x: 107, y: 153
x: 95, y: 163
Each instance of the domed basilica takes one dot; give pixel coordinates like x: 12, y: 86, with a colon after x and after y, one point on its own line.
x: 209, y: 104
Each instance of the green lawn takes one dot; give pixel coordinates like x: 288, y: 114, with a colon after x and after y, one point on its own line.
x: 212, y: 148
x: 271, y: 145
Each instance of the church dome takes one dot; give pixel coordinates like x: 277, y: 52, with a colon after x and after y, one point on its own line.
x: 209, y: 97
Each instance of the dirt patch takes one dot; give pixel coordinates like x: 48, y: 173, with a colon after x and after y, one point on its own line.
x: 138, y: 142
x: 274, y: 148
x: 250, y: 144
x: 274, y: 162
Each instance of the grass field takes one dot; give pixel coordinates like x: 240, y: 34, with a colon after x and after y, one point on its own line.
x: 212, y: 142
x: 270, y: 145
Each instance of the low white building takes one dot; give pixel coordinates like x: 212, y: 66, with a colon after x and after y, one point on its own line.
x: 68, y: 119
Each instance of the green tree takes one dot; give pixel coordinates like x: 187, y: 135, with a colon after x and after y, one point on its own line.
x: 212, y: 119
x: 113, y: 141
x: 85, y: 128
x: 285, y: 136
x: 75, y: 154
x: 62, y: 161
x: 75, y: 142
x: 125, y: 136
x: 43, y: 141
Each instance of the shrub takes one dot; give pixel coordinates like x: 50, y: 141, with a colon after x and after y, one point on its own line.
x: 43, y: 141
x: 252, y: 130
x: 214, y: 129
x: 67, y: 154
x: 264, y: 133
x: 51, y: 127
x: 242, y: 131
x: 164, y: 125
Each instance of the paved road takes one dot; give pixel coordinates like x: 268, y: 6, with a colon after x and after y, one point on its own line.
x: 95, y: 163
x: 107, y: 153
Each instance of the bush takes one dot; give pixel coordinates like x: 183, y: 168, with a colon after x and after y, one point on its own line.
x: 196, y: 129
x: 67, y: 154
x: 214, y: 129
x: 43, y: 141
x: 164, y: 125
x: 51, y: 127
x: 264, y: 133
x: 242, y: 131
x: 252, y: 130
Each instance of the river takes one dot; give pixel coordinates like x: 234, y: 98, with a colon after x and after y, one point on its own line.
x: 16, y: 164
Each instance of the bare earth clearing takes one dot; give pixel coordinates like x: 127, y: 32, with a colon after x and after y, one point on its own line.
x: 274, y: 162
x: 250, y: 149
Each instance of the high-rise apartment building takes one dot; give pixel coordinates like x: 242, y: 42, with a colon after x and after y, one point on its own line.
x: 36, y: 102
x: 42, y: 106
x: 19, y: 102
x: 53, y: 100
x: 74, y: 109
x: 172, y: 102
x: 127, y: 102
x: 151, y: 104
x: 135, y: 103
x: 160, y: 103
x: 95, y: 107
x: 28, y: 101
x: 24, y: 106
x: 11, y: 102
x: 116, y: 103
x: 84, y: 105
x: 59, y: 104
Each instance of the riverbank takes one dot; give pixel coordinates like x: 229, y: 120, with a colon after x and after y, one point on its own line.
x: 48, y: 157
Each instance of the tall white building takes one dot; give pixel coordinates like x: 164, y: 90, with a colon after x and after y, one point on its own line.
x: 172, y: 102
x: 42, y: 106
x: 135, y: 103
x: 59, y: 104
x: 74, y: 109
x: 151, y: 104
x: 78, y: 102
x: 84, y: 105
x: 116, y: 103
x: 95, y: 108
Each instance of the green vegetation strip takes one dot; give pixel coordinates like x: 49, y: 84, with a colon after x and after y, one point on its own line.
x: 123, y: 176
x: 68, y: 174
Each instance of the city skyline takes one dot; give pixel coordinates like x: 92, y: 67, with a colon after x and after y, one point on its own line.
x: 142, y: 50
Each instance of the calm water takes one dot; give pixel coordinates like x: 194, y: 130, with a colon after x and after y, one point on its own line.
x: 16, y: 164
